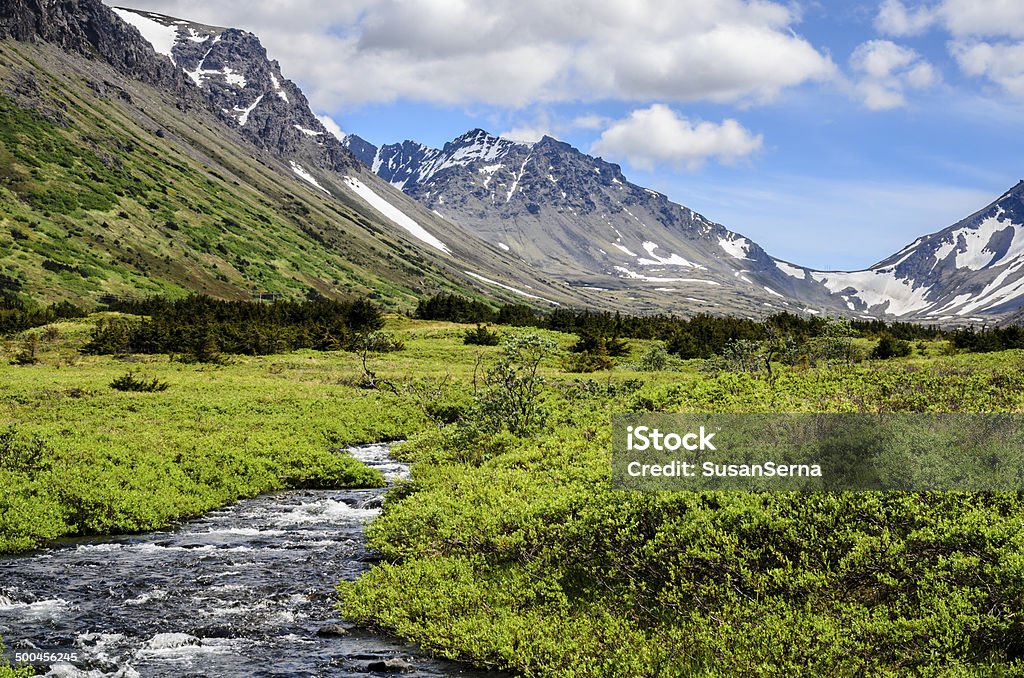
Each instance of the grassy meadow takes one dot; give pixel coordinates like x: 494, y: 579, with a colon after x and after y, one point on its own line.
x: 508, y: 548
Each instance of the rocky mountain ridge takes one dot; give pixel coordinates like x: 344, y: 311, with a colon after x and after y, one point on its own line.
x: 541, y: 222
x: 579, y: 218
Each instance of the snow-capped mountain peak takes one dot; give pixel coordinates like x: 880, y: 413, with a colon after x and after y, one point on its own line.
x: 233, y: 70
x: 972, y: 268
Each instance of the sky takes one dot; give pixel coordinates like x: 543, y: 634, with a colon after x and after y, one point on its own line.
x: 832, y: 133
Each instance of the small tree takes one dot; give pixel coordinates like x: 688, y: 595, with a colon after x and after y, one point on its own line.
x: 889, y: 347
x: 654, y: 359
x: 368, y: 342
x: 834, y: 344
x: 511, y: 396
x: 481, y: 336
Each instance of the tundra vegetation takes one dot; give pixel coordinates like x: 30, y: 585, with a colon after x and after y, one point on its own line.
x: 508, y: 548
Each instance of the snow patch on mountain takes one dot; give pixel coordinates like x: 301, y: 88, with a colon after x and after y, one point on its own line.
x: 304, y: 174
x: 737, y: 247
x: 671, y: 260
x: 633, y: 275
x: 282, y: 95
x: 394, y: 214
x: 877, y: 290
x: 243, y: 116
x: 993, y: 240
x: 625, y: 249
x: 791, y: 271
x: 161, y: 36
x: 508, y: 287
x: 998, y: 291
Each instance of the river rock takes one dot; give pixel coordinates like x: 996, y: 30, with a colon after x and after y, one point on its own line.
x: 373, y: 502
x: 335, y: 630
x: 393, y: 664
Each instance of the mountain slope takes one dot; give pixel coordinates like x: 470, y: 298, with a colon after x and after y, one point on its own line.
x: 577, y: 218
x: 107, y: 189
x: 970, y: 270
x: 581, y: 221
x: 121, y: 171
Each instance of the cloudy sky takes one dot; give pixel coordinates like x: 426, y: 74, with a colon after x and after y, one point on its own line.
x: 832, y: 132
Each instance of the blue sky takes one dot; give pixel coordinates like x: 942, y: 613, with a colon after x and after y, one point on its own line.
x: 831, y: 133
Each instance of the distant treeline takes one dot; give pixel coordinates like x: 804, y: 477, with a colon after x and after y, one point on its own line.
x: 701, y: 336
x: 16, y: 317
x: 989, y: 339
x: 203, y: 327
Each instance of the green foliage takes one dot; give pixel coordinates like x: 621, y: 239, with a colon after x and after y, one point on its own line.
x: 19, y: 452
x: 890, y: 347
x: 596, y: 343
x: 481, y: 336
x: 519, y: 315
x: 438, y: 399
x: 454, y: 308
x: 516, y: 554
x: 129, y: 382
x: 511, y: 397
x: 18, y: 318
x: 203, y: 327
x: 989, y: 339
x: 368, y: 342
x: 588, y: 361
x: 655, y: 359
x: 27, y: 354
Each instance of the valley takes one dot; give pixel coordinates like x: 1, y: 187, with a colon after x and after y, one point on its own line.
x: 276, y: 399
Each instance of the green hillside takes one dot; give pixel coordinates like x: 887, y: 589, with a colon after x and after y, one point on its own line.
x: 106, y: 188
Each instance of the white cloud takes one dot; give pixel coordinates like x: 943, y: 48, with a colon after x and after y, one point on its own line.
x: 1002, y: 63
x: 962, y: 18
x: 332, y: 127
x: 589, y: 121
x: 658, y: 135
x: 513, y: 52
x: 526, y: 133
x: 885, y: 70
x: 983, y: 32
x: 983, y: 17
x: 894, y: 18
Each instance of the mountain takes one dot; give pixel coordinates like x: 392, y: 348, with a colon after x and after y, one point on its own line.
x: 969, y: 271
x: 578, y: 219
x: 243, y: 86
x: 142, y: 152
x: 158, y: 155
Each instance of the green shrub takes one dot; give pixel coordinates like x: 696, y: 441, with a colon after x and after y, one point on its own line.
x: 481, y: 336
x: 889, y: 347
x: 587, y: 361
x: 130, y: 382
x: 511, y: 398
x: 654, y: 359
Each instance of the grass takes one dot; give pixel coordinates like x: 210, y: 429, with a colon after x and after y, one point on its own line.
x: 514, y: 552
x: 120, y: 461
x: 94, y: 202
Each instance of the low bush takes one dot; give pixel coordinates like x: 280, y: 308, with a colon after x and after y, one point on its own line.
x: 130, y: 382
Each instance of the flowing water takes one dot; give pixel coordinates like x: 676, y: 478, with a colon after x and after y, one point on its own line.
x: 243, y: 591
